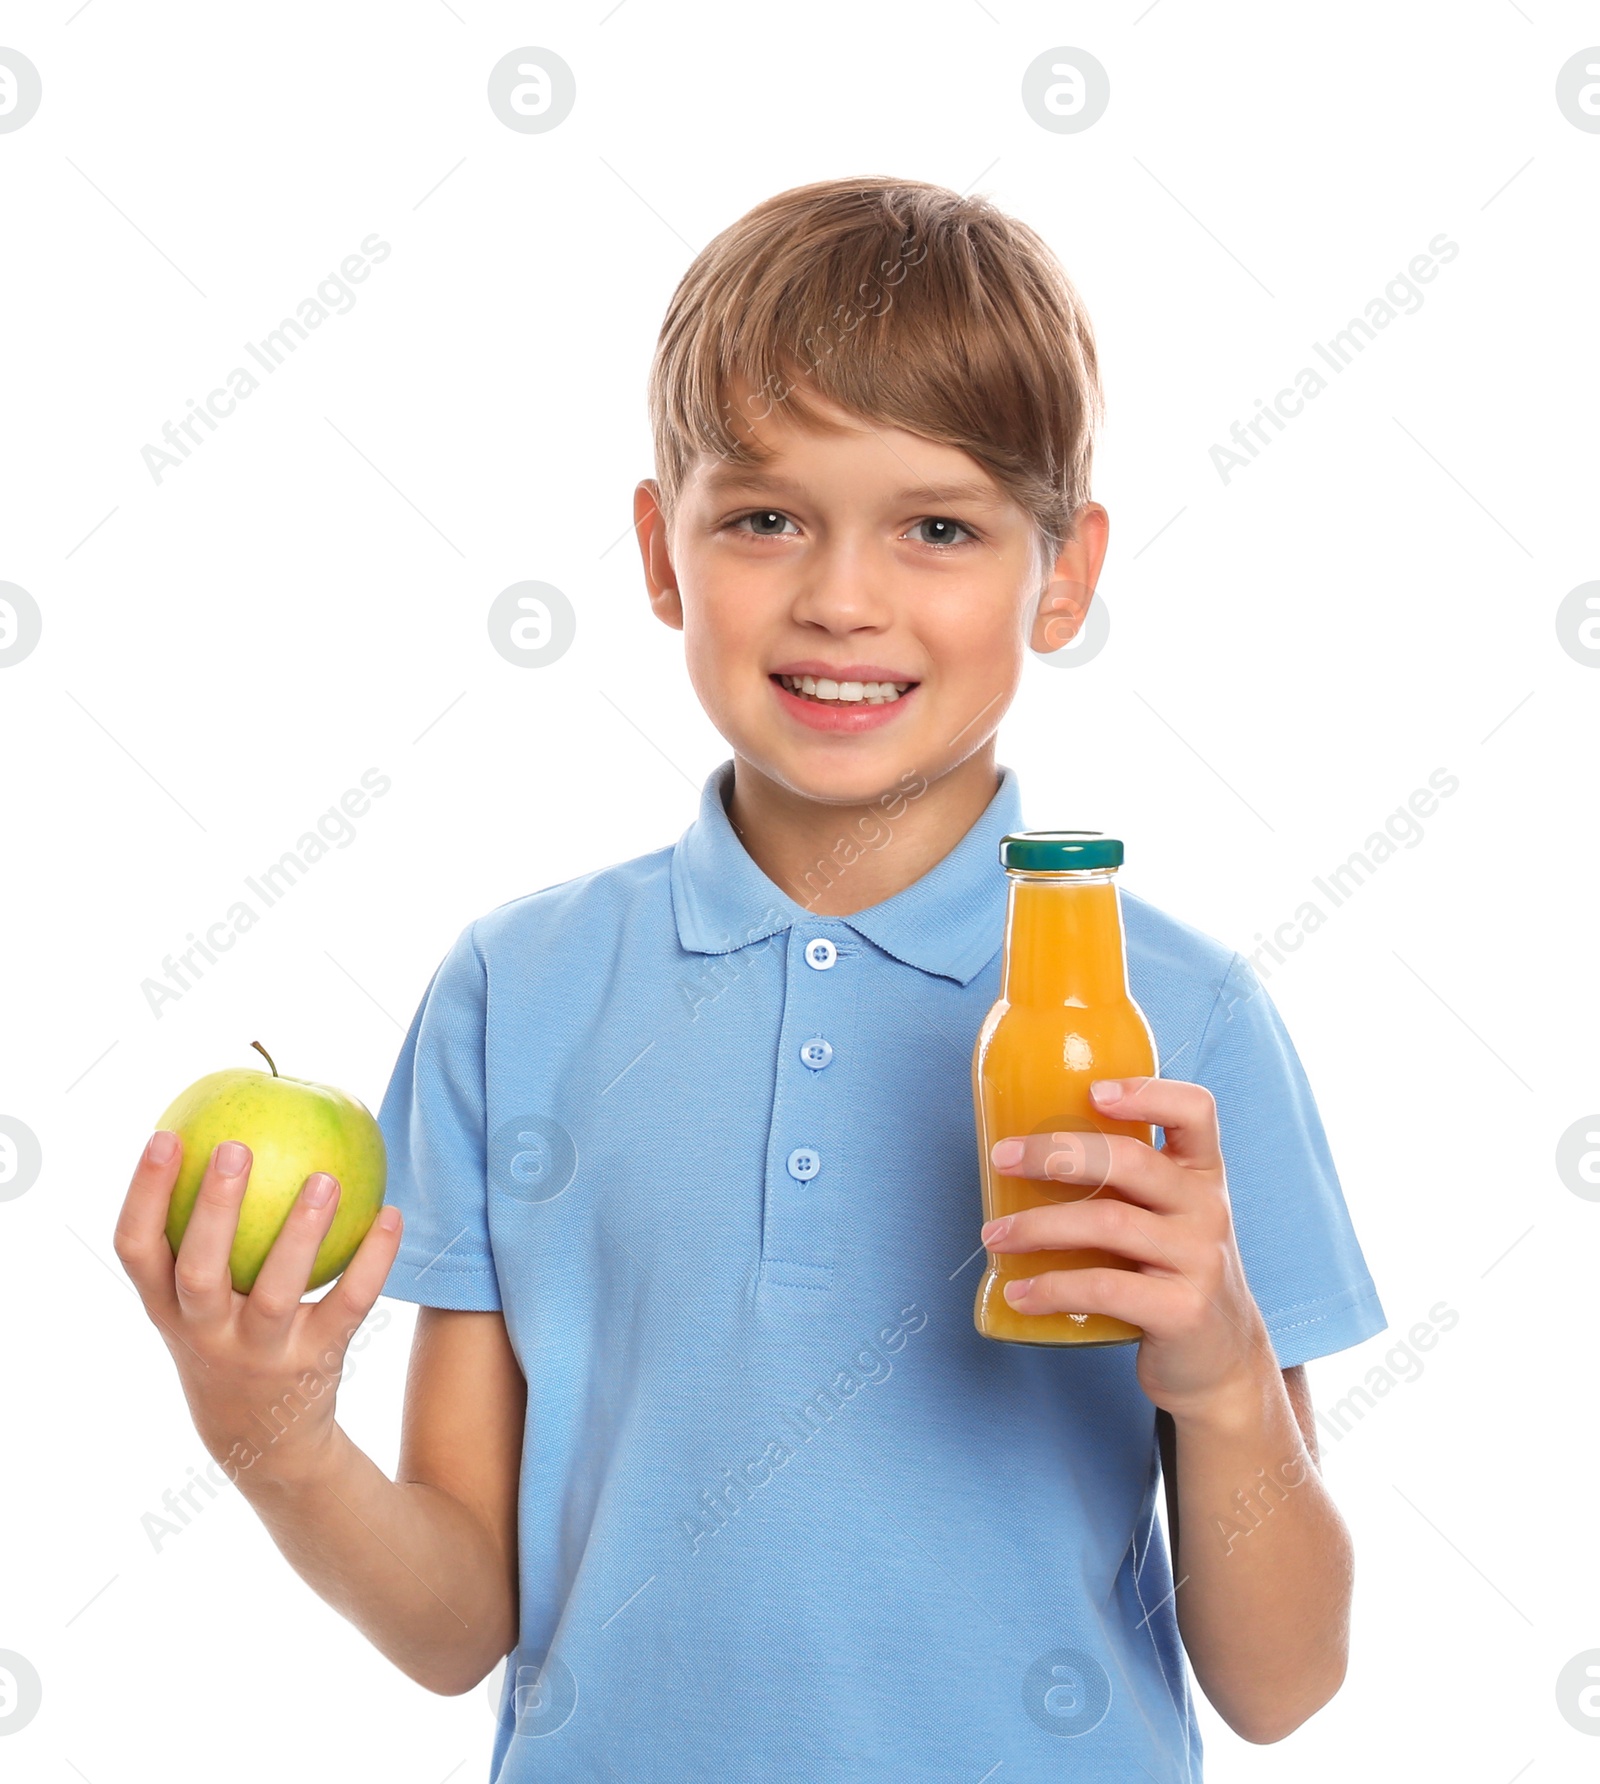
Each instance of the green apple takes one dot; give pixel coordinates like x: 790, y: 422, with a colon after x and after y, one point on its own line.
x: 293, y: 1127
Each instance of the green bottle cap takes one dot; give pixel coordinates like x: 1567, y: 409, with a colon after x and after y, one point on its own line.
x: 1058, y: 851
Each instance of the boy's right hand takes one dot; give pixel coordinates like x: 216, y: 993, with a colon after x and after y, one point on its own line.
x: 259, y: 1371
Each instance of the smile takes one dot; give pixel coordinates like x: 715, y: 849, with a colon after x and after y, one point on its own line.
x: 843, y: 693
x: 842, y: 708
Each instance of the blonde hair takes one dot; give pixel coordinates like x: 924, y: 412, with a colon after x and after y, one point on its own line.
x: 904, y: 303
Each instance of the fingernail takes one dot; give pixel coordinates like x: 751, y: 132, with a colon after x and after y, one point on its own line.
x: 231, y: 1158
x: 161, y: 1148
x: 1007, y: 1152
x: 389, y: 1219
x: 1018, y: 1291
x: 1106, y: 1090
x: 319, y: 1186
x: 995, y: 1229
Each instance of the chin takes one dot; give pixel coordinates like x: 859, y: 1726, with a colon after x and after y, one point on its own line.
x: 852, y: 771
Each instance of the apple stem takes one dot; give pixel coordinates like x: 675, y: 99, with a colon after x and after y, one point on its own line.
x: 265, y: 1055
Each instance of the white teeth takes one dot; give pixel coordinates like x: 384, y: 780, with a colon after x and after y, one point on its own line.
x: 872, y: 693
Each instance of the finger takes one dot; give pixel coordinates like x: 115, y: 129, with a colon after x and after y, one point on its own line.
x: 1125, y: 1294
x: 201, y: 1275
x: 285, y: 1272
x: 1103, y: 1224
x: 1095, y: 1162
x: 1186, y: 1114
x: 140, y: 1241
x: 342, y: 1309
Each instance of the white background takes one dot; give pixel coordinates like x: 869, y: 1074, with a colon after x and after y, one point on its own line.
x: 224, y: 653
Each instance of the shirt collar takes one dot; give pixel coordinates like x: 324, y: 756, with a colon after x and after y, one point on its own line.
x: 949, y: 922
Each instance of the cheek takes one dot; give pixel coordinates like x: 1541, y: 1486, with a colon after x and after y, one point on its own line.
x: 720, y: 637
x: 975, y: 644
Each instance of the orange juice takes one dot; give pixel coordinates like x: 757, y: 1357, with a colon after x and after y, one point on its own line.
x: 1064, y: 1018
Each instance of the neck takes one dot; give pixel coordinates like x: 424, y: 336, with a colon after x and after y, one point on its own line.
x: 1064, y: 940
x: 840, y: 856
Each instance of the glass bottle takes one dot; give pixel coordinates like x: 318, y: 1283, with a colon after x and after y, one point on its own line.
x: 1064, y: 1017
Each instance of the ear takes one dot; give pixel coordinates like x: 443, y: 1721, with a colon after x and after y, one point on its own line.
x: 650, y: 528
x: 1064, y: 601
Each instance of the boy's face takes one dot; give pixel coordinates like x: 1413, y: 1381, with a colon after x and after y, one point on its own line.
x: 860, y: 554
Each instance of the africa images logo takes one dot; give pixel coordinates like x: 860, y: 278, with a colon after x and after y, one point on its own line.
x: 332, y: 297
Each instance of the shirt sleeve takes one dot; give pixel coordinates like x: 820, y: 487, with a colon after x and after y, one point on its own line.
x: 1299, y: 1249
x: 432, y: 1117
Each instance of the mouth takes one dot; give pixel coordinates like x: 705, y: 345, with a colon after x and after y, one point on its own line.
x: 822, y: 691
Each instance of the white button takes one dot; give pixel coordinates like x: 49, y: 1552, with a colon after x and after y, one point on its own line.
x: 804, y: 1163
x: 816, y: 1054
x: 821, y: 953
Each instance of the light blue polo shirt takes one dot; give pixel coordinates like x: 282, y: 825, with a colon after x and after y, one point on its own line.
x: 785, y: 1518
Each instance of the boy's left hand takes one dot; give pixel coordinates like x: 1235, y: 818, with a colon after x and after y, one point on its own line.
x: 1205, y: 1342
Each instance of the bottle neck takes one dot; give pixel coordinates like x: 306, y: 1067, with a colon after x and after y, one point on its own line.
x: 1064, y: 939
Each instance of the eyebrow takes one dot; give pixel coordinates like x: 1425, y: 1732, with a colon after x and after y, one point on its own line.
x: 731, y: 480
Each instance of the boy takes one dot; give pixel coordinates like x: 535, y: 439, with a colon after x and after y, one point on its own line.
x: 698, y: 1429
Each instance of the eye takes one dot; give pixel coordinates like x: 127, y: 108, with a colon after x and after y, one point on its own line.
x: 942, y: 530
x: 761, y: 520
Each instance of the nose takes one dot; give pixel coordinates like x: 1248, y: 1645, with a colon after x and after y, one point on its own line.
x: 844, y: 588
